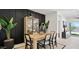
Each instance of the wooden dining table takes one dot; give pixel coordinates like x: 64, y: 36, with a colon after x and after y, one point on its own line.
x: 36, y: 37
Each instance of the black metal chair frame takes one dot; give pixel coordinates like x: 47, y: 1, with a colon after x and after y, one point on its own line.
x: 51, y: 41
x: 28, y: 41
x: 55, y: 39
x: 44, y: 40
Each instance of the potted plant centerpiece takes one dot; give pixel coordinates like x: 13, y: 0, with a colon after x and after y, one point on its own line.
x: 8, y: 25
x: 44, y: 26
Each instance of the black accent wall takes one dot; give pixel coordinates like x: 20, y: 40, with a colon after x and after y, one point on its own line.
x: 18, y: 15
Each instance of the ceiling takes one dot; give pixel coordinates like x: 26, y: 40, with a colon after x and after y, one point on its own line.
x: 43, y: 11
x: 67, y: 13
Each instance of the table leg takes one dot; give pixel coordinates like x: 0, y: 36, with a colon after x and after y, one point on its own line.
x: 34, y: 44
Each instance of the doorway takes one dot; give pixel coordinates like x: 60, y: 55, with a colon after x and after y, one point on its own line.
x: 74, y: 26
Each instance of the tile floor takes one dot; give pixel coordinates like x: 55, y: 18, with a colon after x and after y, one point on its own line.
x: 71, y: 42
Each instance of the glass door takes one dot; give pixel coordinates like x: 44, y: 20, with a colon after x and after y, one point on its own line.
x: 74, y: 28
x: 35, y: 25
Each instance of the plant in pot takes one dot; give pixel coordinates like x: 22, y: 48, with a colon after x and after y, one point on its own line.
x: 8, y: 25
x: 45, y: 26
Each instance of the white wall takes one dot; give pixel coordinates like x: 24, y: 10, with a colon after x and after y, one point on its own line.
x: 52, y: 17
x: 56, y: 22
x: 59, y: 25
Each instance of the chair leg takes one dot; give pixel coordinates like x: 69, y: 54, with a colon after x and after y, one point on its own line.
x: 26, y: 46
x: 52, y: 45
x: 56, y: 43
x: 37, y: 45
x: 44, y: 47
x: 31, y: 47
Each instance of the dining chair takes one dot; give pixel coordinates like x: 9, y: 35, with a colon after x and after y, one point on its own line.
x: 28, y: 41
x: 52, y: 39
x: 55, y: 39
x: 43, y: 43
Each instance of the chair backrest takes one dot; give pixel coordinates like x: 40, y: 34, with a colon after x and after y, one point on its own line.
x: 28, y: 41
x: 27, y: 37
x: 52, y: 35
x: 47, y: 37
x: 55, y: 35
